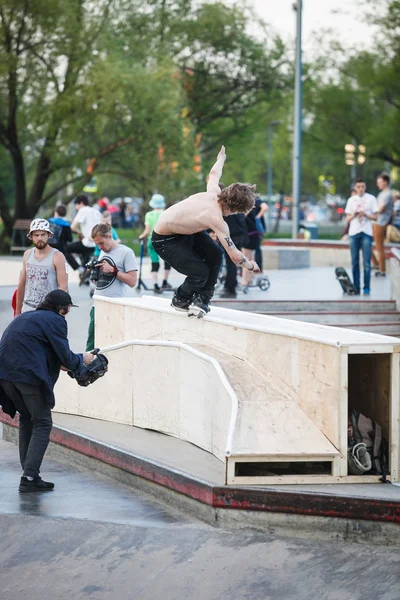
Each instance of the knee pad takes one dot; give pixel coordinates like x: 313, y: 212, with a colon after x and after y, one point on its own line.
x: 155, y: 266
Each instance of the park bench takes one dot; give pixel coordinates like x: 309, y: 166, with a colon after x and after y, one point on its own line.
x: 19, y: 241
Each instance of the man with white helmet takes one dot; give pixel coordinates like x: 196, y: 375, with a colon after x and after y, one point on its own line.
x: 157, y: 203
x: 44, y: 269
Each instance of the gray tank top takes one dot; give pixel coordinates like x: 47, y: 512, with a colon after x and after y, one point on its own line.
x: 41, y: 278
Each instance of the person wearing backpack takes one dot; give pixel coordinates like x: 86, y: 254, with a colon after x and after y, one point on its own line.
x: 62, y: 234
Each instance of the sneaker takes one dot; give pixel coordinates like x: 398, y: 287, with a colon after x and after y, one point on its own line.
x: 366, y: 292
x: 380, y: 274
x: 36, y: 485
x: 166, y: 286
x: 198, y: 307
x: 179, y: 304
x: 157, y: 289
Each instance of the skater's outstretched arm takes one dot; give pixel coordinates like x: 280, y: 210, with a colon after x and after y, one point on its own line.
x: 223, y: 234
x: 216, y: 172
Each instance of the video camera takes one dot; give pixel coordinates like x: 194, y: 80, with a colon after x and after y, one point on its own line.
x: 94, y: 266
x: 94, y: 270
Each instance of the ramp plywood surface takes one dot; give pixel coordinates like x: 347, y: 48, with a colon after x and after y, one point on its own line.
x: 269, y: 423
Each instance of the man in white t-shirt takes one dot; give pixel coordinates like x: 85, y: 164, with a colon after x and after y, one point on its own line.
x: 86, y: 218
x: 118, y: 271
x: 361, y: 211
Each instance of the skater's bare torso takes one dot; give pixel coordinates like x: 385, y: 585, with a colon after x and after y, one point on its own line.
x: 197, y: 213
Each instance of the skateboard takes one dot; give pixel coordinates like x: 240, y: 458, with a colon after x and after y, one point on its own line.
x: 194, y: 311
x: 345, y: 281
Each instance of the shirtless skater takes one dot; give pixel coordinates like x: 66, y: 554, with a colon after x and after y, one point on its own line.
x: 180, y: 238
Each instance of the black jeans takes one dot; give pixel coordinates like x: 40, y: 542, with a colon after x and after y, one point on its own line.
x: 35, y: 424
x: 77, y: 248
x: 196, y: 256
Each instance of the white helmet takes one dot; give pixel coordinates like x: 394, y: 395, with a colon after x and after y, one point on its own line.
x: 39, y: 225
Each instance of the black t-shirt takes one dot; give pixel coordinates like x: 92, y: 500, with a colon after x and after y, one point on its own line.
x: 251, y: 217
x: 236, y: 224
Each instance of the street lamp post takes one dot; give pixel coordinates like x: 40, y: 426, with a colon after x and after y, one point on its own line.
x: 271, y: 124
x: 298, y: 121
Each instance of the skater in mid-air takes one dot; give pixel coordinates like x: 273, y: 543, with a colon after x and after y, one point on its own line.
x: 180, y: 238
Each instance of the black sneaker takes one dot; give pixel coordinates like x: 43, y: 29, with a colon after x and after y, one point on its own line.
x: 227, y: 294
x: 36, y: 485
x: 198, y: 308
x: 166, y: 286
x: 157, y: 289
x: 179, y: 304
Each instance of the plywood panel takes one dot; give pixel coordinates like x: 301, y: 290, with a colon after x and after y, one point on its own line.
x: 181, y: 328
x: 156, y: 388
x: 269, y: 423
x: 198, y: 389
x: 109, y: 324
x: 275, y: 357
x: 66, y: 392
x: 320, y: 386
x: 110, y: 398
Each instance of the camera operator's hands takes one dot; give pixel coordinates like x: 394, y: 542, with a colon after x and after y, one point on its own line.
x: 105, y: 267
x: 88, y: 357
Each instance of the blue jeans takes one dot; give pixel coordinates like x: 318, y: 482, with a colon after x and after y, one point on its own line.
x: 361, y: 241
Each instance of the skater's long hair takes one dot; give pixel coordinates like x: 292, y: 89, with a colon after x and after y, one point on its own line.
x: 238, y: 197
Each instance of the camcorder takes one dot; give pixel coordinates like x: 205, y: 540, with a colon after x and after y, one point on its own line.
x: 94, y: 268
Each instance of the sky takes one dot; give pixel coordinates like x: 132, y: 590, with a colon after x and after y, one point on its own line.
x: 342, y: 16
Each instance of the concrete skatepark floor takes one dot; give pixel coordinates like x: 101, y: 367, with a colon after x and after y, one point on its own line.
x: 95, y: 538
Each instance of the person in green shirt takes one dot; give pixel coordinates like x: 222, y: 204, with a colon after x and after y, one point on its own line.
x: 157, y: 203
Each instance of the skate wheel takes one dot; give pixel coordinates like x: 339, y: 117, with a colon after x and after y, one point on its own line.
x: 264, y: 284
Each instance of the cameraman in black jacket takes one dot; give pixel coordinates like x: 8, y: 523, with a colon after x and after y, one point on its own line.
x: 33, y: 349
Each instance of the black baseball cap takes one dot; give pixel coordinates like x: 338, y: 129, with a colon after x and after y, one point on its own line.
x: 60, y: 298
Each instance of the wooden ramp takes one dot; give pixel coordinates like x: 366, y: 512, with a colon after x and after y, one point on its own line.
x: 274, y: 441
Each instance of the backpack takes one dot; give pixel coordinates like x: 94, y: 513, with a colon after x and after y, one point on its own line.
x: 365, y: 436
x: 57, y: 233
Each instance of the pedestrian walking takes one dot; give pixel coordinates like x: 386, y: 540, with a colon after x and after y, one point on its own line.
x: 361, y: 210
x: 43, y: 269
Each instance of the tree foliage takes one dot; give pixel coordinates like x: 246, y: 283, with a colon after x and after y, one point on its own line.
x: 124, y: 84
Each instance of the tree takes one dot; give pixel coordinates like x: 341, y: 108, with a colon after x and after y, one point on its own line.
x: 65, y: 97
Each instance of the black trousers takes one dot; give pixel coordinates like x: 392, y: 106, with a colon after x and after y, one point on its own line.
x: 258, y: 254
x: 197, y: 256
x: 77, y: 248
x: 231, y: 268
x: 35, y: 423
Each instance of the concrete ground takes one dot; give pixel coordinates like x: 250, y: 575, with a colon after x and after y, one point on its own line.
x: 94, y: 538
